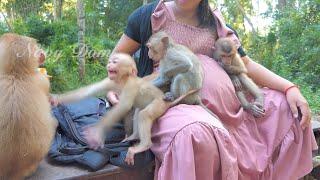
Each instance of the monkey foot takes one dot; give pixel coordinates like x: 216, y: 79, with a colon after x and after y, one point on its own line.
x: 130, y: 156
x: 168, y: 96
x: 134, y: 150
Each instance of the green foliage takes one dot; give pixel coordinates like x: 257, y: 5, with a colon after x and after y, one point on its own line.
x: 292, y: 46
x: 59, y: 40
x: 116, y: 15
x: 3, y: 28
x: 22, y: 9
x: 35, y: 27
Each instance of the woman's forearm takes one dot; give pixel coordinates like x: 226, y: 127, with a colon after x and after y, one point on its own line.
x: 265, y: 77
x: 126, y: 45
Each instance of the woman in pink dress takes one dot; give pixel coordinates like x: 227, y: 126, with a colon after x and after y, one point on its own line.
x: 191, y: 144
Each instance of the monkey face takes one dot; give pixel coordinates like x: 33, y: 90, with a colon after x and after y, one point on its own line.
x: 227, y: 58
x: 158, y: 44
x: 40, y: 55
x: 156, y: 51
x: 120, y: 65
x: 113, y: 67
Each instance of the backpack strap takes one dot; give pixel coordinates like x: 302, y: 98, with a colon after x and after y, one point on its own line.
x: 75, y: 133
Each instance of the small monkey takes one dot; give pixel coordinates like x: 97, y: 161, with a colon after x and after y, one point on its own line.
x: 179, y: 68
x: 130, y: 122
x: 227, y: 56
x: 134, y: 92
x: 27, y: 126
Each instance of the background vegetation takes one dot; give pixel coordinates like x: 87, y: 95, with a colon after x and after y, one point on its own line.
x: 289, y: 46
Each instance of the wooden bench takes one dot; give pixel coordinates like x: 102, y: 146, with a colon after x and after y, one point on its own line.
x: 50, y: 171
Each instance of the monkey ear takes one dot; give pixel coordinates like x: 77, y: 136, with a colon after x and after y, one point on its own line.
x: 165, y: 40
x: 42, y: 57
x: 134, y: 72
x: 148, y: 45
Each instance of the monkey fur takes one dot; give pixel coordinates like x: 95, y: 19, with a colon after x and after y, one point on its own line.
x: 227, y: 56
x: 27, y: 126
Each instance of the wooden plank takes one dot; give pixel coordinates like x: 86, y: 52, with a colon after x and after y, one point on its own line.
x: 109, y: 172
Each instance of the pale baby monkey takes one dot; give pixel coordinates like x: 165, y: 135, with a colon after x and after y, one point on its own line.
x: 134, y: 92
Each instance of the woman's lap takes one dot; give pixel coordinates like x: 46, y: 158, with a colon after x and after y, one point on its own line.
x: 191, y: 144
x: 189, y: 149
x: 177, y: 118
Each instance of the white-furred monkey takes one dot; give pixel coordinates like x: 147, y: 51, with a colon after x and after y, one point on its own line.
x: 227, y: 56
x: 26, y: 124
x: 134, y: 92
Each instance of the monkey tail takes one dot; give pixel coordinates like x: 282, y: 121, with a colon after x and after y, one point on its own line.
x: 176, y: 101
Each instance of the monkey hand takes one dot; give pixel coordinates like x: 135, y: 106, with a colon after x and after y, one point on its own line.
x: 113, y: 97
x: 94, y: 136
x: 257, y: 110
x: 161, y: 81
x: 168, y: 96
x: 54, y: 100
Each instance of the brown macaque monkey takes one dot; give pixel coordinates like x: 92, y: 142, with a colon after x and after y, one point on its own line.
x: 227, y: 56
x: 134, y: 92
x: 179, y: 68
x: 26, y: 124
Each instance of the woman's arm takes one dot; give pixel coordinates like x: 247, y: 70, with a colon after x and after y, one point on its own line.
x: 267, y: 78
x: 126, y: 45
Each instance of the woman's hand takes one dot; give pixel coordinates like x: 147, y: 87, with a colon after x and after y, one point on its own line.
x: 296, y: 100
x: 113, y: 97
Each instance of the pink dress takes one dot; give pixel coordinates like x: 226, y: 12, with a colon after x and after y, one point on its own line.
x: 191, y: 144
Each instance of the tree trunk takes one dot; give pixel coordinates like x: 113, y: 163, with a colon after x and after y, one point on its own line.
x: 57, y: 13
x: 7, y: 22
x: 81, y: 33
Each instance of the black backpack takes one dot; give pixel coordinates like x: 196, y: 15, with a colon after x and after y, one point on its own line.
x: 70, y: 147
